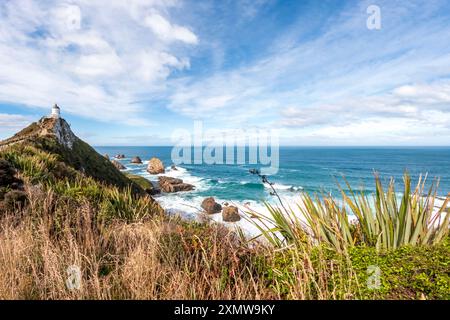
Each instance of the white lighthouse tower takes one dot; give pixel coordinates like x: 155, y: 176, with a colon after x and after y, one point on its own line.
x: 56, y: 111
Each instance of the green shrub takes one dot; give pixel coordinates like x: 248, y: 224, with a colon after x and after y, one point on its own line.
x: 410, y: 272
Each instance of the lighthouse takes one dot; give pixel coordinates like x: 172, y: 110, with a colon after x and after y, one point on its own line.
x: 55, y: 112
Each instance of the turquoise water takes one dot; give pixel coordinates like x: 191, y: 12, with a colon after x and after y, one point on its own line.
x: 311, y: 169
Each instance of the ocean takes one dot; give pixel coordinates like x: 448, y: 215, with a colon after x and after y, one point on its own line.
x: 315, y: 170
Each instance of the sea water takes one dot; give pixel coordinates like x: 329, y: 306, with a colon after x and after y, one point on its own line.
x: 316, y: 170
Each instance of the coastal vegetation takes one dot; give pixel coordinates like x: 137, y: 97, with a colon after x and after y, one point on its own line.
x: 382, y: 220
x: 77, y: 210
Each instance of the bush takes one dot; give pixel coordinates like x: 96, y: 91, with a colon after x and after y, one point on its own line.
x: 14, y: 198
x: 419, y: 272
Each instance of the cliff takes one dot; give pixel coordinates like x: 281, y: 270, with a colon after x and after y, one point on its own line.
x: 54, y: 137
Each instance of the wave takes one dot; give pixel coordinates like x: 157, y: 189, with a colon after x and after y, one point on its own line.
x: 279, y: 186
x: 252, y: 185
x: 180, y: 173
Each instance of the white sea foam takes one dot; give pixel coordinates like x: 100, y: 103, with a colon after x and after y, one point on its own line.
x: 181, y: 173
x: 190, y: 209
x: 188, y: 206
x: 279, y: 186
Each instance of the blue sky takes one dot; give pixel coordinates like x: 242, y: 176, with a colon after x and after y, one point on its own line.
x: 130, y: 73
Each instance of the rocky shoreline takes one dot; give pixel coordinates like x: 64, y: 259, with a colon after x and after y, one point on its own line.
x: 166, y: 184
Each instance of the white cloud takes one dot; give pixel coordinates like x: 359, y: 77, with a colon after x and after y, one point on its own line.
x: 13, y: 121
x: 67, y: 17
x: 95, y: 58
x: 167, y: 31
x: 100, y: 58
x: 346, y: 75
x: 404, y: 102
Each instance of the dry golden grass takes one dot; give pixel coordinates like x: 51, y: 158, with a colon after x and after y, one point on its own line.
x: 166, y: 258
x: 159, y: 258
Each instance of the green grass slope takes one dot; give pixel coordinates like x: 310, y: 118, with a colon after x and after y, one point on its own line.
x: 47, y: 154
x: 54, y: 137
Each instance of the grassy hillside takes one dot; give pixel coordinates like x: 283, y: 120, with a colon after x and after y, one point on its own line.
x: 52, y: 161
x: 78, y: 211
x: 47, y: 140
x: 142, y: 182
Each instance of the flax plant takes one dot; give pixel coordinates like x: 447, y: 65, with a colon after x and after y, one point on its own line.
x: 382, y: 220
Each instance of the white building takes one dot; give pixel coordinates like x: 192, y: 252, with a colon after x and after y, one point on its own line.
x: 56, y: 112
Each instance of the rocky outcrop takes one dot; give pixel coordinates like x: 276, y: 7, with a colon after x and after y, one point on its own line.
x: 120, y: 156
x: 211, y: 206
x: 169, y: 184
x: 45, y: 127
x: 54, y: 136
x: 118, y: 165
x: 230, y: 214
x: 62, y: 131
x: 136, y: 160
x: 155, y: 166
x: 106, y: 156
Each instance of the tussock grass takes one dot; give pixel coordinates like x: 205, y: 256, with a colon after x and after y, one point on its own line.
x: 159, y: 258
x: 167, y: 258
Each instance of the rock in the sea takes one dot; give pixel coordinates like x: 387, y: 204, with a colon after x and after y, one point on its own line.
x: 155, y: 166
x: 118, y: 165
x: 230, y: 214
x: 173, y: 167
x: 136, y: 160
x: 211, y: 206
x: 169, y: 184
x: 120, y: 156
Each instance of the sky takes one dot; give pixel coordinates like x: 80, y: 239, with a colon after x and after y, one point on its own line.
x: 133, y: 72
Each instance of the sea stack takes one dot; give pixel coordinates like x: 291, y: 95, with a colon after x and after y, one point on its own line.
x: 169, y: 184
x: 155, y: 166
x: 136, y: 160
x: 230, y: 214
x: 211, y: 206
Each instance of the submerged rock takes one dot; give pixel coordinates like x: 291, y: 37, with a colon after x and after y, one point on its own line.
x: 173, y: 167
x: 169, y: 184
x: 155, y: 166
x: 136, y: 160
x: 211, y: 206
x: 118, y: 165
x: 230, y: 214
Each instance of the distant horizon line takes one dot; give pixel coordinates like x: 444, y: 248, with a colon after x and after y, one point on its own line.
x: 288, y: 146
